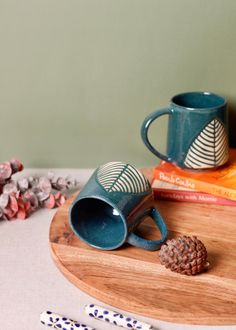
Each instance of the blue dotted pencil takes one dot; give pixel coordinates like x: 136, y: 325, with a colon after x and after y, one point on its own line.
x: 115, y: 318
x: 57, y: 321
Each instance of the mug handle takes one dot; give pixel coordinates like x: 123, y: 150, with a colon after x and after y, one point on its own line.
x: 145, y: 127
x: 140, y: 242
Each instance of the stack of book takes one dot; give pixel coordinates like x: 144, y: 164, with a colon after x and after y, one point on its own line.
x: 216, y: 186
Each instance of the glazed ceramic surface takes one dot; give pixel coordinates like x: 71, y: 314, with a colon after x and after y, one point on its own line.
x: 116, y: 199
x: 197, y: 130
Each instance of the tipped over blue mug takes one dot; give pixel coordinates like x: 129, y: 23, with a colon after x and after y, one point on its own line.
x: 115, y: 200
x: 197, y: 131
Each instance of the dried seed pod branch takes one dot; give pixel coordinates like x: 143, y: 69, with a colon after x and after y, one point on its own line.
x: 7, y: 169
x: 18, y: 199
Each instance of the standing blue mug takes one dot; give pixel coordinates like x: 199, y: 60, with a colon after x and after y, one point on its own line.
x: 197, y: 131
x: 115, y: 200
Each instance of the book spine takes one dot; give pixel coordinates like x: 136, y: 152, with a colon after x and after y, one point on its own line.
x: 191, y: 197
x: 194, y: 184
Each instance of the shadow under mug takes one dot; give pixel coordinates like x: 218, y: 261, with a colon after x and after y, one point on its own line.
x: 197, y: 135
x: 115, y: 200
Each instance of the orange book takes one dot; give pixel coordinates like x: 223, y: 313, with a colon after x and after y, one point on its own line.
x: 172, y: 192
x: 219, y: 182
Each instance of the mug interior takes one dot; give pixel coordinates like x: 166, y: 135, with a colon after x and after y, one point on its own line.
x: 198, y: 100
x: 98, y: 223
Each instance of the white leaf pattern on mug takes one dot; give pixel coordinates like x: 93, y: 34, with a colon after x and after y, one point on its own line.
x: 118, y: 176
x: 210, y: 148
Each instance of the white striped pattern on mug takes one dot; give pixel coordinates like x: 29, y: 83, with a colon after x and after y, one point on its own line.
x: 210, y: 148
x: 122, y: 177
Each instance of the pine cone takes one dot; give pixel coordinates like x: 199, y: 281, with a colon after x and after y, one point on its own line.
x: 184, y: 255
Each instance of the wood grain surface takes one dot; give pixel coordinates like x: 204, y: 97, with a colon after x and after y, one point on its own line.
x: 132, y: 279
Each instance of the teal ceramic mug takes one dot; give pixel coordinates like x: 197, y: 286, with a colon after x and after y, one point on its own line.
x: 197, y: 135
x: 115, y: 200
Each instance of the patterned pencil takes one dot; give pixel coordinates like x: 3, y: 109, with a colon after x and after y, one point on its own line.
x: 57, y: 321
x: 115, y: 318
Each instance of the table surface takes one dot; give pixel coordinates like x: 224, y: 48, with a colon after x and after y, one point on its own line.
x: 30, y: 282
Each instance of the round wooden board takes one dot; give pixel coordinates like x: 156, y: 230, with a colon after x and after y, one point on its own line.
x: 132, y: 279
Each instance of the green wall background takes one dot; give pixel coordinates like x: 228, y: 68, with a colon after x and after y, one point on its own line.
x: 78, y: 77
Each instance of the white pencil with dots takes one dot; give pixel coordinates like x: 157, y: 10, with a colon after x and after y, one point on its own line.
x: 115, y: 318
x: 57, y: 321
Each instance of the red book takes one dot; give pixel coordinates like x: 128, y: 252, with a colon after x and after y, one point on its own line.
x: 167, y: 191
x: 219, y: 182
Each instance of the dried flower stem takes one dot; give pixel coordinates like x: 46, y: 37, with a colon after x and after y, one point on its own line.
x: 18, y: 199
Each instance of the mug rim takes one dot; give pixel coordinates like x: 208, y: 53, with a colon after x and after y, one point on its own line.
x: 223, y: 99
x: 112, y: 205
